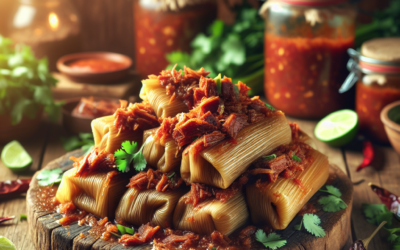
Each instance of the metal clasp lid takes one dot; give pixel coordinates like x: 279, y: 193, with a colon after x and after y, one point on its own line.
x: 352, y: 66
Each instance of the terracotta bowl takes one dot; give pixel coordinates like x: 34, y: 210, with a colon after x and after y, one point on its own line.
x: 26, y: 128
x: 94, y: 77
x: 76, y: 125
x: 390, y: 117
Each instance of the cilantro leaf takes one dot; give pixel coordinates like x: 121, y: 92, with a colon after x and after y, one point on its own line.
x: 47, y: 177
x: 376, y: 213
x: 332, y: 203
x: 392, y: 238
x: 272, y: 241
x: 125, y: 230
x: 127, y: 154
x: 332, y: 190
x: 311, y: 224
x: 296, y: 158
x: 269, y: 157
x: 84, y: 141
x: 270, y: 107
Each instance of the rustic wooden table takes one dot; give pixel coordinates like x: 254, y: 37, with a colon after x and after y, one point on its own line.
x: 45, y: 146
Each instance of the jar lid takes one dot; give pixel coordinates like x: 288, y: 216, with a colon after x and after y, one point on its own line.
x: 384, y: 49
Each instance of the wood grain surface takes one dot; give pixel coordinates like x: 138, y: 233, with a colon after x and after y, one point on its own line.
x: 45, y: 146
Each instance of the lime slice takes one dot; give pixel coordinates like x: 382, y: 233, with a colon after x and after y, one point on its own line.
x: 6, y: 244
x: 338, y: 128
x: 15, y: 157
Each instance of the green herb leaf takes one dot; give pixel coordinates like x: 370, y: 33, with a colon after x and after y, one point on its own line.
x: 234, y: 50
x: 392, y: 238
x: 311, y: 224
x: 48, y: 177
x: 84, y: 141
x: 173, y: 173
x: 332, y: 203
x: 296, y: 158
x: 127, y: 154
x: 272, y: 241
x: 332, y: 190
x: 125, y: 230
x: 23, y: 217
x: 270, y: 107
x: 376, y: 213
x: 218, y: 82
x: 269, y: 157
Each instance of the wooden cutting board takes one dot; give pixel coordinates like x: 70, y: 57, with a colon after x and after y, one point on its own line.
x: 47, y: 234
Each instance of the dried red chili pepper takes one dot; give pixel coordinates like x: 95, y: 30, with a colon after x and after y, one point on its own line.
x: 391, y: 200
x: 10, y: 188
x: 3, y: 219
x: 368, y: 152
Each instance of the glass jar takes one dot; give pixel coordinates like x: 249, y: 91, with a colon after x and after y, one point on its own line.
x: 376, y: 72
x: 161, y: 28
x: 50, y: 27
x: 305, y: 55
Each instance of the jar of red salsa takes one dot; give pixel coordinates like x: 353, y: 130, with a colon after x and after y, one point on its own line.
x: 305, y: 55
x: 163, y: 26
x: 376, y: 72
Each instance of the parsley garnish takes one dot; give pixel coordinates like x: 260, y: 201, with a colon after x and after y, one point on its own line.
x: 332, y: 190
x: 125, y: 230
x: 296, y: 158
x: 333, y: 202
x: 270, y: 107
x: 311, y: 224
x: 269, y: 157
x: 127, y: 154
x: 47, y: 177
x: 376, y: 213
x: 272, y: 241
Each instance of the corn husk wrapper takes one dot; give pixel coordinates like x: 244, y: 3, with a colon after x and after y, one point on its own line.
x: 139, y: 207
x: 153, y: 92
x: 220, y: 165
x: 279, y: 202
x: 96, y: 193
x: 163, y: 156
x: 108, y: 137
x: 212, y: 215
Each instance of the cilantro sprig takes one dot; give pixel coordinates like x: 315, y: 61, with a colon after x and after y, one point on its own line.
x: 128, y: 154
x: 85, y: 141
x: 25, y: 83
x: 269, y: 157
x: 125, y: 230
x: 312, y: 225
x: 48, y: 177
x: 333, y: 202
x: 296, y: 158
x: 272, y: 241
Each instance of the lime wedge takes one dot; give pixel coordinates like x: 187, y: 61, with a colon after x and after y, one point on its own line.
x: 337, y: 128
x: 15, y: 157
x: 6, y: 244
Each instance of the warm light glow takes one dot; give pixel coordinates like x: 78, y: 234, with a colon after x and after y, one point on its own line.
x: 53, y: 21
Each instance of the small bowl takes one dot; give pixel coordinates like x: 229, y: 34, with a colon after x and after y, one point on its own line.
x: 94, y: 77
x: 390, y: 117
x: 74, y: 124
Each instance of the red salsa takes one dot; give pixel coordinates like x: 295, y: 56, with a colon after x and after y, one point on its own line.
x: 97, y: 65
x: 370, y: 100
x: 160, y: 32
x: 303, y: 75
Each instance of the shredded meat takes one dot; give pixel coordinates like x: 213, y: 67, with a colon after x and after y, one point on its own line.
x: 95, y: 161
x: 201, y: 192
x: 226, y: 114
x: 155, y: 179
x: 144, y: 235
x: 176, y: 239
x: 135, y: 116
x: 284, y: 165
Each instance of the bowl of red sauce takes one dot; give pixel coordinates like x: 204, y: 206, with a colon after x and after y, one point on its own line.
x: 78, y: 113
x: 95, y: 67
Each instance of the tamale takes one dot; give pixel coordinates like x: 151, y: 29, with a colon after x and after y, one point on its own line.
x: 139, y: 207
x: 221, y: 164
x: 164, y: 156
x: 96, y: 193
x: 211, y: 215
x: 277, y: 203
